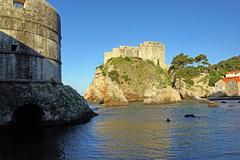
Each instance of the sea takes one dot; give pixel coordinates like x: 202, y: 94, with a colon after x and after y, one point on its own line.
x: 135, y: 132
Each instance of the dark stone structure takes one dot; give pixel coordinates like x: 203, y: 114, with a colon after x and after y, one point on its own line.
x: 30, y: 67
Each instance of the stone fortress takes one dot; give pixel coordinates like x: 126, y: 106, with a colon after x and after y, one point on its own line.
x: 30, y: 41
x: 153, y: 51
x: 31, y: 89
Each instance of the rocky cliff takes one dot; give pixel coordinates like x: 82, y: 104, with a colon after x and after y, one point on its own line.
x: 122, y: 80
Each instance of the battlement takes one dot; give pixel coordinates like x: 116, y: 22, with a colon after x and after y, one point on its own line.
x: 127, y: 47
x: 149, y: 50
x: 151, y: 43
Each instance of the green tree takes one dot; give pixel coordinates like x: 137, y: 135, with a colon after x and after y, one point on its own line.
x: 180, y: 61
x: 201, y: 59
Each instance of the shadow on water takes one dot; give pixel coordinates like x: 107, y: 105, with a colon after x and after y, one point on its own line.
x: 33, y: 143
x: 27, y: 139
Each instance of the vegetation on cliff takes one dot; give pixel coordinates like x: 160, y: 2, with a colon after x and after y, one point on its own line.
x: 134, y: 78
x: 186, y: 67
x: 135, y: 72
x: 217, y: 71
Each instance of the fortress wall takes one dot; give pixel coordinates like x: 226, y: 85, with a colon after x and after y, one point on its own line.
x: 14, y: 67
x: 35, y: 33
x: 40, y: 45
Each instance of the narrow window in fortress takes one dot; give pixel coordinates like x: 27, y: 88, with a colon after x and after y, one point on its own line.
x: 18, y: 3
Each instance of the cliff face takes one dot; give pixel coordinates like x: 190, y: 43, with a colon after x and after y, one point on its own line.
x: 122, y: 80
x: 104, y: 90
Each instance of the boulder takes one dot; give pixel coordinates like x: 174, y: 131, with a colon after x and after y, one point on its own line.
x: 218, y: 94
x: 162, y: 96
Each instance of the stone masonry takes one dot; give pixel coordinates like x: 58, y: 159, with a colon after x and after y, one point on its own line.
x: 30, y: 41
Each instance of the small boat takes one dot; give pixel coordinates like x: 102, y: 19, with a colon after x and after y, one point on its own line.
x: 213, y: 104
x: 223, y: 102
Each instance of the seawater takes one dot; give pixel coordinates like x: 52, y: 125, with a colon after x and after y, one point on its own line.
x: 136, y: 132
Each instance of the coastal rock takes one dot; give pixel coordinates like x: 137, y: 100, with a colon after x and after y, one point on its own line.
x: 218, y: 94
x: 165, y: 95
x: 125, y: 79
x: 104, y: 91
x: 198, y: 89
x: 58, y: 104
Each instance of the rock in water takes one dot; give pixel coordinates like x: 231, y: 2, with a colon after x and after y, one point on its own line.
x: 165, y: 95
x: 213, y: 104
x: 59, y: 104
x: 189, y: 116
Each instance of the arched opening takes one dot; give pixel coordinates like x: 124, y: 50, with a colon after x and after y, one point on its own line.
x: 28, y: 115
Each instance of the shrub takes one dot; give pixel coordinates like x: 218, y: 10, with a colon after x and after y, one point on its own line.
x: 126, y: 78
x: 127, y: 59
x: 114, y: 76
x: 189, y: 81
x: 150, y: 62
x: 100, y: 67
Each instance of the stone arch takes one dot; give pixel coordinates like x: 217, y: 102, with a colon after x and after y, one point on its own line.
x: 28, y: 115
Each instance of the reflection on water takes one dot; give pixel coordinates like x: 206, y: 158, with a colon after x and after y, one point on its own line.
x: 135, y: 132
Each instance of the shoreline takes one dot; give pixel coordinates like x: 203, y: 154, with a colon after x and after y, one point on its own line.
x: 224, y: 98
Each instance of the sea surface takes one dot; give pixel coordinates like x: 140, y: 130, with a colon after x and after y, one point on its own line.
x: 136, y: 132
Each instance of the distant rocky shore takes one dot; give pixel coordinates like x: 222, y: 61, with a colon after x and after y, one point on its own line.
x: 123, y: 80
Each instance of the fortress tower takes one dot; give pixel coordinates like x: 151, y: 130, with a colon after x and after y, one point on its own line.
x: 31, y: 92
x: 30, y: 41
x: 153, y: 51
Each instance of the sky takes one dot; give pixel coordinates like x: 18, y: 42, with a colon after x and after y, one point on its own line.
x: 92, y: 27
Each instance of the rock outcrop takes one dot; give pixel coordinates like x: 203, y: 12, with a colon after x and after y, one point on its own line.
x: 57, y: 103
x: 104, y: 91
x: 165, y: 95
x: 199, y: 88
x: 122, y: 80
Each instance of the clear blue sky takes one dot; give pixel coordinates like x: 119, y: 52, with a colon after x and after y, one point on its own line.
x: 91, y: 27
